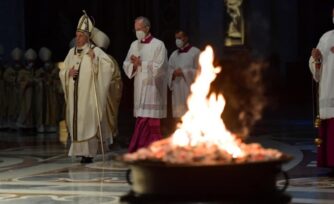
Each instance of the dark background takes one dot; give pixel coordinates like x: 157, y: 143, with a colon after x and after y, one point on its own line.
x: 282, y: 32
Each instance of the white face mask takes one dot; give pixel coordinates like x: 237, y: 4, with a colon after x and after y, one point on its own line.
x: 179, y: 43
x: 140, y: 34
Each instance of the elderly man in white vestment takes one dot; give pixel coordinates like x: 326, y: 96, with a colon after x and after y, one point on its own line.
x: 321, y: 64
x: 146, y: 62
x: 86, y: 80
x: 183, y: 64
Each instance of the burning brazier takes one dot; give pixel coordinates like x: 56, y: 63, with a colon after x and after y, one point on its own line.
x: 202, y: 158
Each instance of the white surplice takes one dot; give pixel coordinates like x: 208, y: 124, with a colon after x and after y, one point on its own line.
x: 150, y: 79
x: 325, y: 75
x: 180, y: 86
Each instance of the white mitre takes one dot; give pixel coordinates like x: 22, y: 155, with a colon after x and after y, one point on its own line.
x: 44, y: 54
x: 100, y: 39
x: 17, y: 53
x: 85, y: 25
x: 30, y: 54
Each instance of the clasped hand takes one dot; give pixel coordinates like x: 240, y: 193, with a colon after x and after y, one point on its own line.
x: 316, y: 54
x: 136, y: 61
x: 73, y: 72
x: 177, y: 73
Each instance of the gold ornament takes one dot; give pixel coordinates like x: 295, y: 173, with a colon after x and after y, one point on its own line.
x: 317, y: 122
x: 318, y: 141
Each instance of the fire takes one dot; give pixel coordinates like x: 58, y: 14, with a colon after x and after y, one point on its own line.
x: 202, y: 123
x: 201, y: 137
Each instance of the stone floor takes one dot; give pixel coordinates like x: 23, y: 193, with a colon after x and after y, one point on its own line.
x: 34, y: 168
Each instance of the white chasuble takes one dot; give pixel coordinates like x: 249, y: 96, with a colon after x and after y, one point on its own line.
x: 86, y: 100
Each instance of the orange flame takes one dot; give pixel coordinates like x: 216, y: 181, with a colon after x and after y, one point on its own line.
x: 202, y: 124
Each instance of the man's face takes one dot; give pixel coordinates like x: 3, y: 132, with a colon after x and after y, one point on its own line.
x: 139, y: 25
x: 81, y: 39
x: 181, y: 36
x: 333, y: 12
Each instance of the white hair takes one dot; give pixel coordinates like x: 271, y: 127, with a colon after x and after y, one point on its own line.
x: 145, y: 21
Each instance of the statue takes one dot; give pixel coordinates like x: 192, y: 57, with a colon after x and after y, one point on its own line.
x: 235, y: 30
